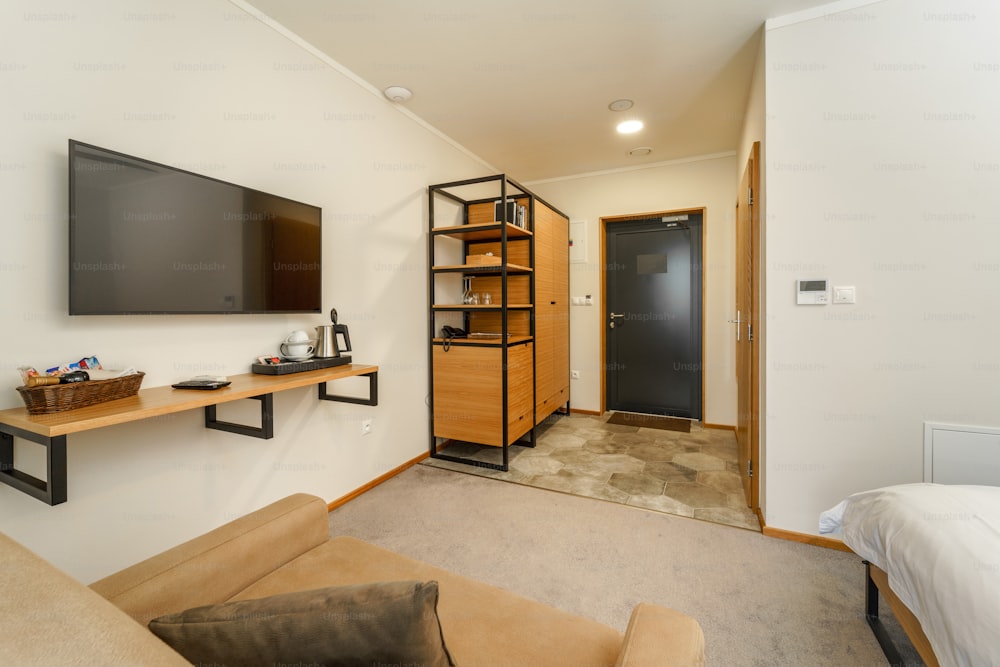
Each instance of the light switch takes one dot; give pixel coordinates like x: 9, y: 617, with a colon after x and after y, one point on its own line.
x: 843, y: 294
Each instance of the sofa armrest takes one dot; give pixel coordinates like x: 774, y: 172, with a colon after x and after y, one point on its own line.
x: 661, y: 637
x: 49, y: 618
x: 217, y: 565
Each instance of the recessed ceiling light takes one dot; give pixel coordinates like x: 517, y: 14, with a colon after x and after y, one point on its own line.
x: 620, y: 105
x: 629, y: 126
x: 639, y: 152
x: 398, y: 94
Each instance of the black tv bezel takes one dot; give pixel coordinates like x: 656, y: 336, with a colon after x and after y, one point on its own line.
x: 74, y: 143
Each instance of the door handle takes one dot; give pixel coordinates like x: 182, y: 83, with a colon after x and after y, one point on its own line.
x: 615, y: 316
x: 737, y: 323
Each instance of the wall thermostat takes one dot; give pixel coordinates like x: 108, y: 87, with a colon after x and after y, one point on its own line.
x: 812, y: 292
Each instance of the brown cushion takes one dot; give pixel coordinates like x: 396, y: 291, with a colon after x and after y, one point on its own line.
x: 388, y: 622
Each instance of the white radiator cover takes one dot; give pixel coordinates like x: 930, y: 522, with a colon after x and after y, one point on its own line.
x: 959, y: 454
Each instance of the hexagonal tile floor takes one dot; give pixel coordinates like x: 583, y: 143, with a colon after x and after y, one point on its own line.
x: 689, y: 474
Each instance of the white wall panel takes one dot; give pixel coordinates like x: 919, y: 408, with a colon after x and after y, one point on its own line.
x: 882, y: 173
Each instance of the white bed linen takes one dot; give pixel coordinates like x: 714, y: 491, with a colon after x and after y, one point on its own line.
x: 940, y: 546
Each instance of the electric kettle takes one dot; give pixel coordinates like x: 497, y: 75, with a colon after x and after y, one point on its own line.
x: 326, y: 338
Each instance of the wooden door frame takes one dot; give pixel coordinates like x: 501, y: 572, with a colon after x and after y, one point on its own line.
x: 755, y: 244
x: 607, y: 220
x: 756, y: 299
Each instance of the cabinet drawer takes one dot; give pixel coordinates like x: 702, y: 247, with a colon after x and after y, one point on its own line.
x: 468, y: 393
x: 549, y: 404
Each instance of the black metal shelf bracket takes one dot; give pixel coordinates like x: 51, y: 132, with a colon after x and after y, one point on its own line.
x: 51, y: 490
x: 372, y: 392
x: 266, y: 429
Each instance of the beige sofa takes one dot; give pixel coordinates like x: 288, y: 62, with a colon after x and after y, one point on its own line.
x: 49, y: 618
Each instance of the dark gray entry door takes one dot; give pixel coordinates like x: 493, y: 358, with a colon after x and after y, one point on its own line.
x: 653, y: 316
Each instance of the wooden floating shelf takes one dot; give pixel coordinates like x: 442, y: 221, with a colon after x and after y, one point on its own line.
x: 482, y: 231
x: 481, y: 268
x: 51, y: 430
x: 482, y: 306
x: 487, y: 341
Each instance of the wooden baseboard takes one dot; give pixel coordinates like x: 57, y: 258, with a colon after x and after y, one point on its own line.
x: 577, y: 411
x: 805, y: 538
x: 343, y: 500
x: 721, y: 427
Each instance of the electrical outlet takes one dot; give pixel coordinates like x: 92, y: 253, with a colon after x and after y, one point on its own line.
x: 575, y: 375
x: 366, y: 426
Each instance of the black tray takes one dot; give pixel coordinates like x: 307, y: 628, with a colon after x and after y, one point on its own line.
x: 286, y: 367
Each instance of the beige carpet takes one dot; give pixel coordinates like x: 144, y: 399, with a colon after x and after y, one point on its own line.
x: 760, y: 600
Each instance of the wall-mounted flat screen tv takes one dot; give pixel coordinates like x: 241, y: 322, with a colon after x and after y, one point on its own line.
x: 145, y: 238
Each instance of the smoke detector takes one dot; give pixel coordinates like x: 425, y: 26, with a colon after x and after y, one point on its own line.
x: 398, y: 94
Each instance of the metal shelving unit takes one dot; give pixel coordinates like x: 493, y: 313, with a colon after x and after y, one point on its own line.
x: 482, y: 386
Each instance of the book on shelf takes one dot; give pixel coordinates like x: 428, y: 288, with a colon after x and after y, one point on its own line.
x: 517, y: 214
x: 498, y: 211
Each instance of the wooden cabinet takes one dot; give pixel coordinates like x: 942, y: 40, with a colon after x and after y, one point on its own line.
x: 469, y: 393
x: 500, y: 274
x: 551, y: 311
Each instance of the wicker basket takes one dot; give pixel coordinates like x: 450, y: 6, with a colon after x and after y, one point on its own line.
x: 58, y: 397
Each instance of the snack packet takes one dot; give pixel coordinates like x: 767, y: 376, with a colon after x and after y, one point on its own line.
x: 26, y: 372
x: 85, y: 364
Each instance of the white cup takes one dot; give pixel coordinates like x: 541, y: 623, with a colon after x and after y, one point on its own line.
x: 297, y: 346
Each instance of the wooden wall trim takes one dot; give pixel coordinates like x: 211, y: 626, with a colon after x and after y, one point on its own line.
x: 805, y: 538
x: 721, y: 427
x: 343, y: 500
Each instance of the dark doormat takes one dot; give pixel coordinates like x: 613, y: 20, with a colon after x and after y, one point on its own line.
x: 650, y: 421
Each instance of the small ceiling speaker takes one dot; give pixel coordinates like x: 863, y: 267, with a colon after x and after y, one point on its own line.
x: 398, y: 94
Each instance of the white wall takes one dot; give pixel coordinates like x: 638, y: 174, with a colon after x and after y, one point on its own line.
x: 754, y: 117
x: 882, y: 173
x: 202, y: 85
x: 699, y: 182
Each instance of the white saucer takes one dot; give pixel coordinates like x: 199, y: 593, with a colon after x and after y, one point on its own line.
x: 305, y: 358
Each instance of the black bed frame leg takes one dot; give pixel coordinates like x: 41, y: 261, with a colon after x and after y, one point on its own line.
x: 875, y: 623
x: 871, y: 594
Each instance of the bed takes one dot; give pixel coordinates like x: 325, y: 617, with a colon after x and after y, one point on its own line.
x: 933, y: 552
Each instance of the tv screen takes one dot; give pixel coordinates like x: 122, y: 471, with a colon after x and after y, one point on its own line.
x: 145, y: 238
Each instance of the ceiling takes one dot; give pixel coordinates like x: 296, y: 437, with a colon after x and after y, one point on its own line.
x: 526, y: 84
